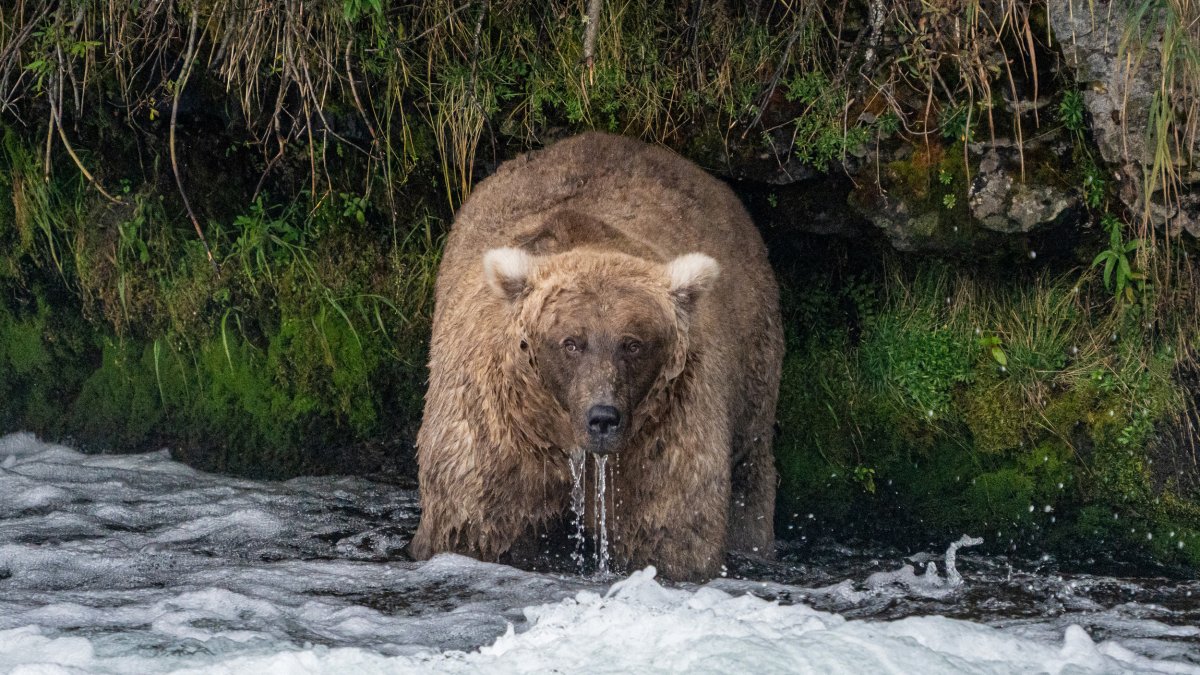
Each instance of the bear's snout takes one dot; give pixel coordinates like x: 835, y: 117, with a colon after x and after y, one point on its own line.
x: 604, y: 424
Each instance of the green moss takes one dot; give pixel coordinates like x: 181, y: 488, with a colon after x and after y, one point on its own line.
x: 992, y: 411
x: 120, y: 404
x: 816, y: 447
x: 1000, y: 499
x: 1021, y: 449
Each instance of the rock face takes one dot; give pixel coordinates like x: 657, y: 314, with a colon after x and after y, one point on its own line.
x: 1002, y: 203
x: 1001, y: 189
x: 1119, y: 77
x: 936, y: 198
x: 928, y: 196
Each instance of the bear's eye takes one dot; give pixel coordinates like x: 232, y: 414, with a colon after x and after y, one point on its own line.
x: 570, y: 345
x: 633, y: 347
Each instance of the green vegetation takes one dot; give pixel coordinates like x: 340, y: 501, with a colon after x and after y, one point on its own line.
x: 1017, y: 409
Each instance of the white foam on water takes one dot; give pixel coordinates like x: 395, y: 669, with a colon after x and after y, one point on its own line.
x: 135, y: 563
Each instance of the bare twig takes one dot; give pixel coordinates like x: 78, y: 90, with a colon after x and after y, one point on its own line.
x: 783, y: 63
x: 354, y: 92
x: 589, y: 35
x: 188, y: 58
x: 56, y: 123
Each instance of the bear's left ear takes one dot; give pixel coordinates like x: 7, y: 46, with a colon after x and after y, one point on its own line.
x: 691, y: 276
x: 507, y: 272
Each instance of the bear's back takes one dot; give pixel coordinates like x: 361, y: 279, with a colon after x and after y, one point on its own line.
x: 611, y: 192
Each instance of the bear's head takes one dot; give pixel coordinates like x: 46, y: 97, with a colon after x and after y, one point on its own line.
x: 602, y: 331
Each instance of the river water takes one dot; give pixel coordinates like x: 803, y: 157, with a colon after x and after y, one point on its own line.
x: 136, y: 563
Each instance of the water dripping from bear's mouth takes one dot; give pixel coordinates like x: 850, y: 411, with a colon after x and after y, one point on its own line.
x: 577, y: 459
x: 579, y: 503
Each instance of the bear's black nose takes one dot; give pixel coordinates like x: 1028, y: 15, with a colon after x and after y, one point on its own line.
x: 603, y: 420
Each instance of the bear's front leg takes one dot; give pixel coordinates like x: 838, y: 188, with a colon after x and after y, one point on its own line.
x: 673, y: 505
x: 481, y: 499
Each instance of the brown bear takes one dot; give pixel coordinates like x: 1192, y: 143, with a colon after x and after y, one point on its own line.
x: 608, y: 296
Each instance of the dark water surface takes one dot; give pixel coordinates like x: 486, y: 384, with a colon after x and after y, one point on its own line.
x: 121, y: 563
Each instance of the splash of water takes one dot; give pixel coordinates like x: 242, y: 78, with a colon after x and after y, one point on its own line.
x: 953, y: 578
x: 577, y: 462
x: 602, y: 556
x: 599, y: 505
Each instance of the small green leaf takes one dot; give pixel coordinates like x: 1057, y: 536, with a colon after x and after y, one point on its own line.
x: 1000, y: 357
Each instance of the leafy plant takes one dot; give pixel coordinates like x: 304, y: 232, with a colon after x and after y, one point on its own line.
x: 821, y: 136
x: 1071, y: 111
x: 957, y: 123
x: 994, y: 347
x: 865, y: 476
x: 353, y: 9
x: 1094, y: 184
x: 1119, y: 276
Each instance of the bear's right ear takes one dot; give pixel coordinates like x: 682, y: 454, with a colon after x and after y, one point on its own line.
x: 507, y: 272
